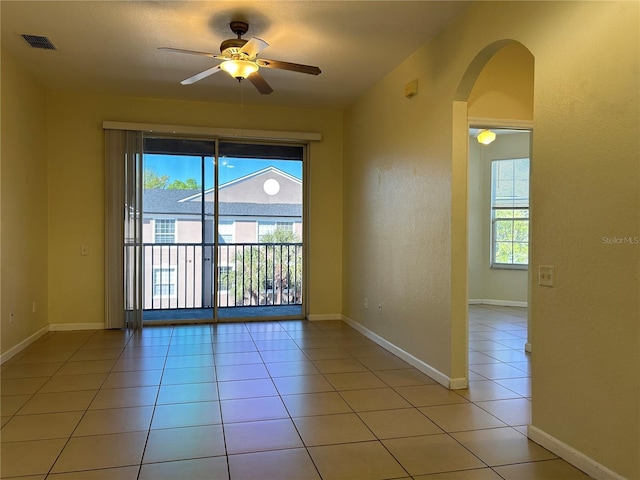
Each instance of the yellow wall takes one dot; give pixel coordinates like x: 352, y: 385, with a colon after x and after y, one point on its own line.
x: 23, y: 206
x: 76, y: 165
x: 405, y: 215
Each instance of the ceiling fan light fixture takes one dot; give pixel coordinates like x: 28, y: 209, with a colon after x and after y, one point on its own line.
x: 485, y: 137
x: 239, y: 69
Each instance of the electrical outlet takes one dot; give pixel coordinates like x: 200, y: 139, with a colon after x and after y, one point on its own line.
x: 546, y: 275
x: 379, y: 306
x: 84, y: 250
x: 33, y: 309
x: 366, y: 303
x: 11, y: 317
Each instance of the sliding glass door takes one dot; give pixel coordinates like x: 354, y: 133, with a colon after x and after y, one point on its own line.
x: 222, y: 230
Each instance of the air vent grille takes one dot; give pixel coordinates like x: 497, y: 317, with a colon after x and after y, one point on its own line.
x: 37, y: 41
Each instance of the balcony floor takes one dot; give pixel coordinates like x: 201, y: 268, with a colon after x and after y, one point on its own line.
x: 224, y: 313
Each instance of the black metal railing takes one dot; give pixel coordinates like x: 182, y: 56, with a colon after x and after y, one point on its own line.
x: 182, y: 276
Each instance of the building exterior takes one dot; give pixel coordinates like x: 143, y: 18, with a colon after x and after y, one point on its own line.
x: 179, y: 244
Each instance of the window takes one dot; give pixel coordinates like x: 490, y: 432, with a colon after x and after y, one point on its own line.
x: 164, y: 281
x: 225, y: 231
x: 267, y: 228
x: 510, y: 213
x: 165, y: 230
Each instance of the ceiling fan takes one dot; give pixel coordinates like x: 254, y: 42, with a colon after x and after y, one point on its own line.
x: 240, y: 60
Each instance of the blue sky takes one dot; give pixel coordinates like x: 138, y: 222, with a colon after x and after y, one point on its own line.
x: 180, y: 167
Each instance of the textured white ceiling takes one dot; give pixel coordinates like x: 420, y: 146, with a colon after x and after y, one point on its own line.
x: 111, y: 46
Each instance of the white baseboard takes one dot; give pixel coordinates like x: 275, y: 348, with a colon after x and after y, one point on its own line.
x: 316, y: 317
x: 527, y: 347
x: 498, y: 303
x: 441, y: 378
x: 571, y: 455
x: 68, y: 327
x: 13, y: 351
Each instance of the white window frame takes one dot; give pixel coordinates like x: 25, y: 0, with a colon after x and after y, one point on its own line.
x: 289, y: 224
x: 170, y: 272
x: 167, y: 221
x: 505, y: 204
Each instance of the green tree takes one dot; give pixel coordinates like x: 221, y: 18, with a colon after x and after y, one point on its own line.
x: 275, y: 266
x: 188, y: 184
x: 153, y: 180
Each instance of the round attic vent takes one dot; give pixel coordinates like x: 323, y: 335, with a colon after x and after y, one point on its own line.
x: 271, y: 186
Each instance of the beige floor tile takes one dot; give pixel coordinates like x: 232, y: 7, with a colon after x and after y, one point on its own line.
x: 176, y: 376
x: 228, y: 373
x: 101, y: 451
x: 354, y: 380
x: 332, y: 429
x: 58, y: 402
x: 406, y: 422
x: 428, y: 395
x: 516, y: 411
x: 188, y: 361
x: 460, y: 417
x: 374, y: 399
x: 292, y: 369
x: 476, y: 474
x: 186, y: 393
x: 253, y: 409
x: 188, y: 350
x: 522, y: 386
x: 404, y: 377
x: 383, y: 362
x: 497, y: 371
x: 124, y: 397
x: 546, y: 470
x: 85, y: 367
x: 328, y: 352
x: 114, y: 420
x: 357, y: 461
x: 479, y: 391
x: 118, y: 473
x: 96, y: 354
x: 241, y: 358
x: 73, y: 383
x: 21, y: 386
x: 10, y: 404
x: 184, y: 443
x: 29, y: 458
x: 145, y: 352
x: 261, y: 436
x: 339, y: 365
x: 277, y: 464
x: 261, y: 387
x: 200, y: 468
x: 275, y: 345
x: 319, y: 403
x: 234, y: 347
x: 477, y: 358
x: 278, y: 356
x: 431, y: 454
x: 40, y: 427
x: 141, y: 378
x: 53, y: 356
x: 502, y: 446
x: 302, y: 384
x: 186, y: 415
x: 31, y: 370
x: 132, y: 364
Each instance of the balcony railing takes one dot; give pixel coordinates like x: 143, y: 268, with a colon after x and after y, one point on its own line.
x: 183, y: 276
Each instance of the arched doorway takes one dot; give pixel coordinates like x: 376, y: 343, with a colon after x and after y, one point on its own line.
x: 495, y: 91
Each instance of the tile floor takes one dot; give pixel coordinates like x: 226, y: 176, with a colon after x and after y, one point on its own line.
x: 277, y: 400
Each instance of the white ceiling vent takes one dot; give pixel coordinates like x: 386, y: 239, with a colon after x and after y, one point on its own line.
x: 37, y: 41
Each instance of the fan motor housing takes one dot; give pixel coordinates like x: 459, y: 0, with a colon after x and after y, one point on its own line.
x: 232, y: 46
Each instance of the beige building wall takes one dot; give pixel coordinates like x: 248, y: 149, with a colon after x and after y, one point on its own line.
x: 405, y: 190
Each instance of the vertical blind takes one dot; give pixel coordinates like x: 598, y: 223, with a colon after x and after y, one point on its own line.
x: 123, y: 229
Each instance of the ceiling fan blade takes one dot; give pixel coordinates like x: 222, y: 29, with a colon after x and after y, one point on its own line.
x: 199, y: 76
x: 190, y: 52
x: 260, y: 83
x: 254, y: 46
x: 294, y: 67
